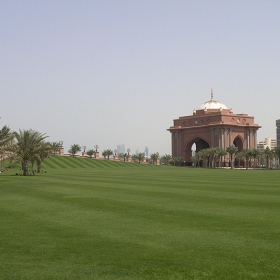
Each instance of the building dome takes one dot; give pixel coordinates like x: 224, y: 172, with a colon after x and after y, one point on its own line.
x: 212, y: 104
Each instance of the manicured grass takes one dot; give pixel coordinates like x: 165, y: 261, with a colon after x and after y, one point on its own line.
x: 89, y: 219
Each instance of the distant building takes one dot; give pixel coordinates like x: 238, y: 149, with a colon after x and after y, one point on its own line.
x: 278, y: 132
x: 268, y: 142
x: 121, y: 149
x: 136, y: 152
x: 146, y: 152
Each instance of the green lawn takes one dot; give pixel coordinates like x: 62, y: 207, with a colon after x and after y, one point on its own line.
x: 94, y: 219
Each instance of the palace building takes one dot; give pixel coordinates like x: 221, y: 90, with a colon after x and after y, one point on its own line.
x: 212, y: 125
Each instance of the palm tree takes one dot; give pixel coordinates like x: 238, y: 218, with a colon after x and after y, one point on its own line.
x: 232, y: 150
x: 195, y: 160
x: 74, y: 149
x: 178, y: 161
x: 277, y: 155
x: 166, y: 158
x: 247, y: 154
x: 239, y: 156
x: 45, y: 151
x: 139, y: 157
x: 90, y: 153
x: 221, y: 153
x: 6, y: 138
x: 171, y: 161
x: 255, y: 153
x: 104, y: 154
x: 55, y: 147
x: 203, y: 155
x: 268, y: 156
x: 123, y: 156
x: 107, y: 153
x: 154, y: 157
x: 28, y: 146
x: 213, y: 154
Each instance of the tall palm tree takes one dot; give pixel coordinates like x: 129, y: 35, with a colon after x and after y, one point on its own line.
x: 221, y: 153
x: 268, y: 153
x: 255, y: 153
x: 239, y: 156
x: 247, y: 153
x: 213, y: 154
x: 232, y: 150
x: 27, y: 146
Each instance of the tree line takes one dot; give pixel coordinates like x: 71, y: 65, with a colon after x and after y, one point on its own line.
x: 213, y: 157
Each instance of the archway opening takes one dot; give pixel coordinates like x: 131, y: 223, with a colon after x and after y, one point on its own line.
x: 238, y: 143
x: 194, y: 147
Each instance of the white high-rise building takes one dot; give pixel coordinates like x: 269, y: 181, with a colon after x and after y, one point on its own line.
x: 146, y: 152
x: 268, y: 142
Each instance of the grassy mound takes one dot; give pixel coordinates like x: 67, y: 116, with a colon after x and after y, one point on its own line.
x: 58, y: 162
x: 139, y: 223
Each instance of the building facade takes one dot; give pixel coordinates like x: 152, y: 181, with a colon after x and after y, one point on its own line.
x: 268, y: 142
x: 212, y: 125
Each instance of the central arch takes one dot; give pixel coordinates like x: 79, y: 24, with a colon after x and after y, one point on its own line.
x: 237, y: 142
x: 200, y: 145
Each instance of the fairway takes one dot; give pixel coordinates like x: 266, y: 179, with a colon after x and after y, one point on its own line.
x: 95, y: 219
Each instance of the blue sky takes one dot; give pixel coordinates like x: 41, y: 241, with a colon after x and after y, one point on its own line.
x: 119, y: 72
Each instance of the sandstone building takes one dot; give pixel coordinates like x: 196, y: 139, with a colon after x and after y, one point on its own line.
x: 212, y: 125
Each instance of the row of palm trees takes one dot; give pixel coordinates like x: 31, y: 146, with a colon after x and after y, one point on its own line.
x: 27, y: 147
x: 213, y: 157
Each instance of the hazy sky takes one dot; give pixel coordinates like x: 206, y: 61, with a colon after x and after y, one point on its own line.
x: 118, y: 72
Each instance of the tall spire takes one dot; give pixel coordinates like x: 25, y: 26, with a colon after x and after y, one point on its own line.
x: 212, y: 94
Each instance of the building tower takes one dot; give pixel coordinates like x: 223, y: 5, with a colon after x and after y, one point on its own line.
x: 146, y: 152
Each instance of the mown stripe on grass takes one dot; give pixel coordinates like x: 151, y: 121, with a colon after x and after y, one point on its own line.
x: 57, y: 161
x: 47, y: 163
x: 68, y: 161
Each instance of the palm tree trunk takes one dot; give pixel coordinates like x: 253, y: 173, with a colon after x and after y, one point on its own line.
x: 25, y: 168
x: 39, y: 167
